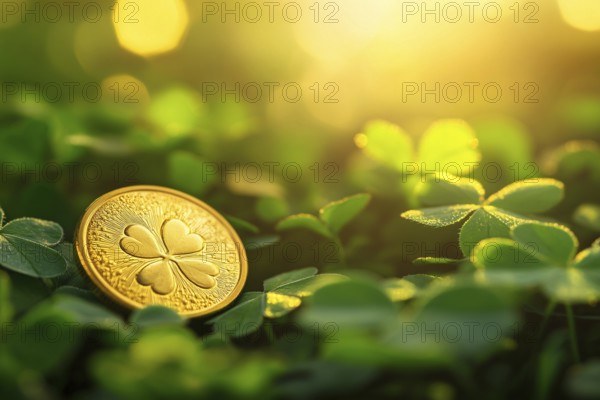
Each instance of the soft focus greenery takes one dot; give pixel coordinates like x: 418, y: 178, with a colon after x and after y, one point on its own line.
x: 426, y: 250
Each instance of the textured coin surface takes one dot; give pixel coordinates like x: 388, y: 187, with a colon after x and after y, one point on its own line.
x: 152, y: 245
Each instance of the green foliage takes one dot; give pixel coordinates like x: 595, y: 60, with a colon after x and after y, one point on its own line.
x: 458, y: 198
x: 542, y: 255
x: 155, y: 315
x: 389, y: 144
x: 26, y: 247
x: 282, y: 294
x: 172, y: 363
x: 304, y: 221
x: 588, y: 215
x: 332, y: 218
x: 349, y: 305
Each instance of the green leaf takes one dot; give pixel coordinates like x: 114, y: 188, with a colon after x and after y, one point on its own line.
x: 588, y: 259
x: 271, y: 209
x: 588, y: 215
x: 449, y: 145
x: 155, y: 315
x: 444, y: 191
x: 350, y: 304
x: 421, y: 281
x: 278, y: 304
x: 289, y: 277
x: 2, y: 217
x: 528, y: 197
x: 260, y: 242
x: 30, y: 258
x: 481, y: 225
x: 36, y: 230
x: 571, y: 285
x: 304, y: 221
x: 458, y: 316
x: 188, y: 173
x: 576, y: 159
x: 242, y: 225
x: 54, y: 345
x: 74, y: 291
x: 440, y: 216
x: 307, y: 286
x: 435, y: 261
x: 73, y: 275
x: 6, y: 310
x: 287, y: 297
x: 553, y: 243
x: 338, y: 213
x: 399, y: 289
x: 508, y: 218
x: 505, y: 261
x: 87, y: 313
x: 244, y: 318
x: 386, y: 143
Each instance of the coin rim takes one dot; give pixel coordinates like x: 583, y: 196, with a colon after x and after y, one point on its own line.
x: 100, y: 281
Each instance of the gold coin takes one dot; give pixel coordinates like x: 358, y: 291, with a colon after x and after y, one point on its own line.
x: 152, y: 245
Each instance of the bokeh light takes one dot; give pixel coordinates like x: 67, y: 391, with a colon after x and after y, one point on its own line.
x: 147, y: 30
x: 581, y: 14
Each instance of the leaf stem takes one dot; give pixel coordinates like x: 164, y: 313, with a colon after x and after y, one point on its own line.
x: 527, y: 366
x: 572, y: 334
x: 549, y: 309
x: 268, y: 329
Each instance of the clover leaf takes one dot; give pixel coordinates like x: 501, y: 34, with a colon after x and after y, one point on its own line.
x: 242, y: 225
x: 542, y: 255
x: 155, y: 315
x: 458, y: 318
x: 304, y: 221
x: 575, y: 159
x: 349, y: 304
x: 588, y: 215
x: 390, y: 145
x: 25, y: 247
x: 332, y: 218
x: 282, y: 294
x: 408, y: 287
x: 456, y: 199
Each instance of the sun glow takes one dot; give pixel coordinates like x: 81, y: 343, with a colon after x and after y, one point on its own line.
x: 147, y: 29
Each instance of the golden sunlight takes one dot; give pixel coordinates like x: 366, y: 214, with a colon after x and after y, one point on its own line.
x: 581, y: 14
x: 147, y: 30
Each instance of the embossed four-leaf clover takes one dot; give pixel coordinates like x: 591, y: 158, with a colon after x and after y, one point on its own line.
x: 173, y: 256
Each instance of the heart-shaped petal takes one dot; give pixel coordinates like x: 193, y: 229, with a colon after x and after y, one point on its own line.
x: 140, y: 242
x: 199, y: 272
x: 179, y: 240
x: 158, y: 276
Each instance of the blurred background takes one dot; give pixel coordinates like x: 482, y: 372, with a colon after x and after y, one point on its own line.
x: 255, y: 107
